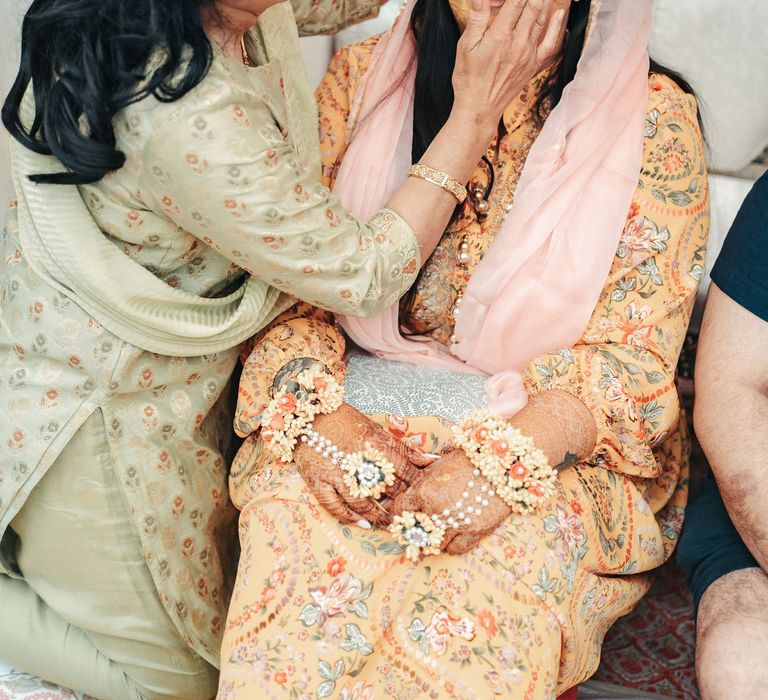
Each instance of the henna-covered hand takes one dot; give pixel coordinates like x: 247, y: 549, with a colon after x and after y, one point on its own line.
x: 351, y: 431
x: 440, y: 487
x: 561, y: 425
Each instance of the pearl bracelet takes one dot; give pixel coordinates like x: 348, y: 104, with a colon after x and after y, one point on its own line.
x: 422, y: 534
x: 367, y: 473
x: 465, y: 507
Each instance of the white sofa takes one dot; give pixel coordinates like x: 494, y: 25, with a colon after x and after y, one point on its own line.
x: 718, y: 45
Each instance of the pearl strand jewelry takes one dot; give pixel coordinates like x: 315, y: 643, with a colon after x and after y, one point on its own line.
x: 461, y: 512
x: 321, y: 445
x: 367, y: 473
x: 422, y: 533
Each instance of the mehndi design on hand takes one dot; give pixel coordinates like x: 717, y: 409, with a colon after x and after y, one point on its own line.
x: 505, y: 464
x: 347, y: 429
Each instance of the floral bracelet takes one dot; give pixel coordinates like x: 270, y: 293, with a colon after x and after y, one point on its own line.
x: 291, y: 411
x: 514, y: 469
x: 517, y: 469
x: 288, y: 418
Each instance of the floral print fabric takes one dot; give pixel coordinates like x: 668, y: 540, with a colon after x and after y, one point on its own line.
x: 326, y: 610
x: 215, y: 186
x: 165, y: 423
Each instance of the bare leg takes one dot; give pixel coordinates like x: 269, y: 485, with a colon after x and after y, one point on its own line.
x: 732, y: 637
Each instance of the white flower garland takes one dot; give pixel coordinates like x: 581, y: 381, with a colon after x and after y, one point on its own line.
x: 368, y: 473
x: 518, y: 471
x: 290, y: 412
x: 418, y: 533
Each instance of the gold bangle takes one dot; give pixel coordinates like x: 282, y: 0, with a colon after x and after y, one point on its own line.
x: 442, y: 180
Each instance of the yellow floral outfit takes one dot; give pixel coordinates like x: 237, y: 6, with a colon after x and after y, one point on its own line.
x: 321, y: 609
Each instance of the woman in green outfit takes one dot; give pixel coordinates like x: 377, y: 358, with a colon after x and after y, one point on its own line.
x: 166, y: 169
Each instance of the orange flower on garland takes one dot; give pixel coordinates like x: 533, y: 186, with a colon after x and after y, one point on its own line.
x: 287, y: 403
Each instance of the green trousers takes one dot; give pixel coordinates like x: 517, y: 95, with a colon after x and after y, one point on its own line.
x: 85, y: 613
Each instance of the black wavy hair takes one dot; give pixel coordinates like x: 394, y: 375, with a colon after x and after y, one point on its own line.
x: 437, y: 34
x: 87, y: 60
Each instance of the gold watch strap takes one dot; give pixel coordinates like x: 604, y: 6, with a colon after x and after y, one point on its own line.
x: 442, y: 180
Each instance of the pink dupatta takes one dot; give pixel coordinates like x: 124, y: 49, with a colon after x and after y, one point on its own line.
x: 537, y: 286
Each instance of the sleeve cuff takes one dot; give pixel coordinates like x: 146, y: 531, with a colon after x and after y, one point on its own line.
x: 744, y: 291
x: 624, y: 442
x: 313, y: 338
x: 353, y: 12
x: 399, y: 243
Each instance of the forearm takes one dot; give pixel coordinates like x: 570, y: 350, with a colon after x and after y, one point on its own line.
x: 273, y: 220
x: 456, y: 150
x: 731, y: 412
x: 732, y: 426
x: 561, y: 426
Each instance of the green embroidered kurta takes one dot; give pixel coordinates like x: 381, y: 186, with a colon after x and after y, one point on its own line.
x: 130, y: 297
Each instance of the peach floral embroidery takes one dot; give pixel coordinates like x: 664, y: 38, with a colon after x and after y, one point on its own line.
x: 280, y: 677
x: 443, y: 627
x: 336, y: 566
x: 360, y: 691
x: 487, y: 622
x: 635, y: 332
x: 642, y: 236
x: 345, y: 594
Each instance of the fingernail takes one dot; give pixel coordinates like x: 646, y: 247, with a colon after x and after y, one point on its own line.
x: 363, y: 523
x: 477, y: 4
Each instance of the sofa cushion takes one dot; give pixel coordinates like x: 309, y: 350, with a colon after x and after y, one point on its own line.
x: 720, y: 48
x: 15, y: 685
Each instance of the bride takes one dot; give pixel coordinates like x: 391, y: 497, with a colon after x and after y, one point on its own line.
x: 399, y: 543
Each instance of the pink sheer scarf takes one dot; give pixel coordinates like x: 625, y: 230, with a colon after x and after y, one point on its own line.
x: 537, y: 286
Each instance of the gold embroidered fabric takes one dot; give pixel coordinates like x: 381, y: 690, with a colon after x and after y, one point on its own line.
x: 432, y: 308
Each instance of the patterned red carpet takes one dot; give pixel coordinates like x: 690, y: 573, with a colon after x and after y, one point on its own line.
x: 652, y: 649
